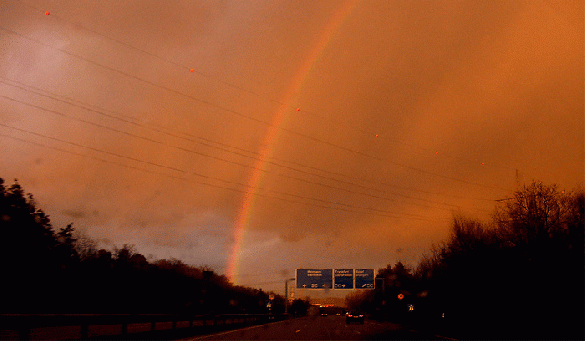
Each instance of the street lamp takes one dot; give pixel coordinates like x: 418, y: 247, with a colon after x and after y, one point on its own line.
x: 286, y: 294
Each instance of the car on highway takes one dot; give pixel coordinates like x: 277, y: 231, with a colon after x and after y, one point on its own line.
x: 354, y: 317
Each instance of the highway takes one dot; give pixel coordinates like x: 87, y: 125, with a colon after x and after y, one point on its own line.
x: 331, y: 327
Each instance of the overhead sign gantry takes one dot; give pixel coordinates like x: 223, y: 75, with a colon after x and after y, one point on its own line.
x: 343, y: 278
x: 335, y: 278
x: 314, y: 279
x: 364, y: 278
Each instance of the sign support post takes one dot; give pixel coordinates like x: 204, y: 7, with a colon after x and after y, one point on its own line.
x: 286, y: 294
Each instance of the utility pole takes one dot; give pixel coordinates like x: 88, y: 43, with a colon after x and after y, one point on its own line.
x: 286, y: 294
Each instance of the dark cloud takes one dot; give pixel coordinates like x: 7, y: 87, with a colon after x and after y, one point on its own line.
x: 77, y: 214
x: 105, y: 124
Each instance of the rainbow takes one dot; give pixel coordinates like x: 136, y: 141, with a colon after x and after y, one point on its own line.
x: 271, y: 137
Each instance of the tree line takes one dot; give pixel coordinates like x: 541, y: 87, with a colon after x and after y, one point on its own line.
x: 48, y: 270
x: 518, y: 275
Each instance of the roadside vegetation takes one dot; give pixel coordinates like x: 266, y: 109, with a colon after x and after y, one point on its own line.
x: 48, y: 270
x: 519, y: 275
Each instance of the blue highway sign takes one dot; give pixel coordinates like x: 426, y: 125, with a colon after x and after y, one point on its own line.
x: 343, y: 278
x: 364, y: 278
x: 314, y: 279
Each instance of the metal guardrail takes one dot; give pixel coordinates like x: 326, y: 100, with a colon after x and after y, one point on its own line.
x: 23, y: 324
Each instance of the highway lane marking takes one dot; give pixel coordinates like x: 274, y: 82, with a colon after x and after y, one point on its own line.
x: 232, y: 331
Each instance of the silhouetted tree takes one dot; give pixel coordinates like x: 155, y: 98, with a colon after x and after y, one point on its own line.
x: 66, y: 272
x: 27, y: 251
x: 542, y: 231
x: 521, y: 274
x: 299, y: 307
x: 363, y: 301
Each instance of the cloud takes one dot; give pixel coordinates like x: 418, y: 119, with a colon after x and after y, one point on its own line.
x: 446, y: 86
x: 77, y: 214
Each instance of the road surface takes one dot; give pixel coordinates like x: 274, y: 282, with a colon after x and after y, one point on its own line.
x: 322, y: 328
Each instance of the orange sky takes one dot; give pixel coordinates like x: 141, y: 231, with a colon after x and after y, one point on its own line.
x: 103, y: 121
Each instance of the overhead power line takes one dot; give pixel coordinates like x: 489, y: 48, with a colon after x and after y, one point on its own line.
x: 195, y: 152
x: 209, y: 143
x: 247, y: 189
x: 78, y: 25
x: 356, y: 152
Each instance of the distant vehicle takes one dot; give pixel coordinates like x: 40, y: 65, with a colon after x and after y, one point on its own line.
x: 323, y: 314
x: 354, y: 317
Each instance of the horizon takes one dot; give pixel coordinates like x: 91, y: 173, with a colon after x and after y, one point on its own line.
x: 256, y: 138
